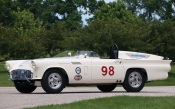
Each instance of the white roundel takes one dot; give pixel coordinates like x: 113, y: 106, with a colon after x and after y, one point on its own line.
x: 78, y: 70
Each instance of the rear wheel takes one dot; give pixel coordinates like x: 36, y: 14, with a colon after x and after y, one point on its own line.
x: 24, y: 86
x: 134, y: 81
x: 107, y: 88
x: 53, y: 81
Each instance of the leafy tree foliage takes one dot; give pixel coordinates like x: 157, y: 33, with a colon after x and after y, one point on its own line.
x: 6, y: 38
x: 21, y: 41
x: 162, y: 37
x: 152, y: 9
x: 5, y: 7
x: 39, y: 28
x: 52, y: 38
x: 56, y: 10
x: 25, y: 46
x: 24, y: 20
x: 113, y: 23
x: 115, y: 10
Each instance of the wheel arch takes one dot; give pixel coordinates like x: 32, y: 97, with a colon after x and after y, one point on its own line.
x: 59, y: 69
x: 141, y: 70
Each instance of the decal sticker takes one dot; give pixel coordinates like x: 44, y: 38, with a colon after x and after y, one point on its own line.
x: 106, y: 71
x: 78, y: 70
x: 137, y: 55
x: 77, y: 77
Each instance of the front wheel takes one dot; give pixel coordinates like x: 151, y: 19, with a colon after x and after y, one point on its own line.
x: 134, y: 81
x: 53, y: 81
x: 24, y: 86
x: 107, y: 88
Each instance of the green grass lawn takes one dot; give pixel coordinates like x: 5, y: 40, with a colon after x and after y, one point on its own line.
x: 118, y: 102
x: 4, y: 80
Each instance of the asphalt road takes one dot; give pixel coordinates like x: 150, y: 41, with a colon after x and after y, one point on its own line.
x: 10, y: 98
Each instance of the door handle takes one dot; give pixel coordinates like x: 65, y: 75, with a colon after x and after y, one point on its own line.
x: 118, y: 62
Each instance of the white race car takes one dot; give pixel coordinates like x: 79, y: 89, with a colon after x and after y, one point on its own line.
x: 131, y: 69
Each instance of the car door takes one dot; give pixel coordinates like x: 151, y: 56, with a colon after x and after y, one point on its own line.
x: 79, y: 70
x: 107, y: 69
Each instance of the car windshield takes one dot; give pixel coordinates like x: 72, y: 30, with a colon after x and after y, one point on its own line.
x: 87, y: 53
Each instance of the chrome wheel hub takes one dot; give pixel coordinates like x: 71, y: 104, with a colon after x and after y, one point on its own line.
x: 54, y: 80
x: 135, y: 79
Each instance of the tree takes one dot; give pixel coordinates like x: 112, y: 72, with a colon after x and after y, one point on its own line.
x: 26, y: 46
x: 24, y: 20
x: 5, y: 7
x: 115, y: 10
x: 6, y: 38
x: 52, y: 38
x: 23, y: 41
x: 152, y: 9
x: 162, y: 37
x: 112, y: 23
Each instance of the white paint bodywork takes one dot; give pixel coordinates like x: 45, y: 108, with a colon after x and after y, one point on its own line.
x: 91, y: 67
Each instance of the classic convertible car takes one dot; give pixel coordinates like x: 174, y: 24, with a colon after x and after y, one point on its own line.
x: 131, y: 69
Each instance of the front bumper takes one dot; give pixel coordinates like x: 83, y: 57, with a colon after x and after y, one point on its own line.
x: 21, y: 75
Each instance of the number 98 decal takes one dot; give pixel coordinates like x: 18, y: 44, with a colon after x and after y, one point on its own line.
x: 106, y: 70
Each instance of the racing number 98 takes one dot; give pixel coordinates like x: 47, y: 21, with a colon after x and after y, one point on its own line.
x: 106, y: 70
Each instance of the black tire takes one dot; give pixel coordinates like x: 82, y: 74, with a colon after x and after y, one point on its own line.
x: 134, y: 81
x: 106, y: 88
x: 24, y: 86
x: 57, y: 84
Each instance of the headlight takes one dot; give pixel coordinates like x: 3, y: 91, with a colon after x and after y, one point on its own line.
x: 7, y: 66
x: 33, y: 65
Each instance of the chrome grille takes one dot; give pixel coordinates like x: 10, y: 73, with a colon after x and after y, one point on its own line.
x: 21, y: 75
